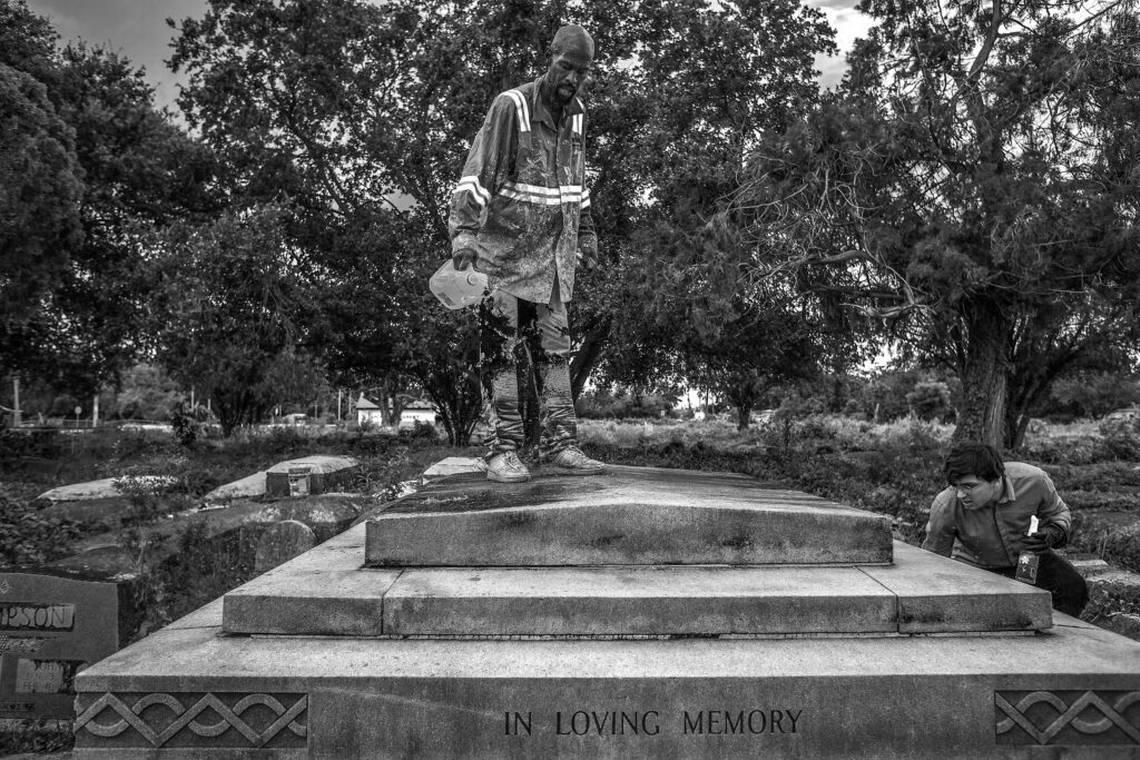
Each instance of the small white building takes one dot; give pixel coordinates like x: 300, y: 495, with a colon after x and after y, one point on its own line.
x: 414, y: 411
x: 417, y: 411
x: 367, y: 412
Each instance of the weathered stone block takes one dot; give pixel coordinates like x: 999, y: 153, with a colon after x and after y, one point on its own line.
x: 310, y: 475
x: 621, y: 518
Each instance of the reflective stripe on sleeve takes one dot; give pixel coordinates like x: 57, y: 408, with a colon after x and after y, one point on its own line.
x: 475, y: 187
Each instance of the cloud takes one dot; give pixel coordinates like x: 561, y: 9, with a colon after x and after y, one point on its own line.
x: 850, y: 24
x: 832, y: 4
x: 134, y: 29
x: 831, y: 70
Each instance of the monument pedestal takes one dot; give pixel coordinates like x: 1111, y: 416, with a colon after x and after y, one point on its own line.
x: 612, y: 646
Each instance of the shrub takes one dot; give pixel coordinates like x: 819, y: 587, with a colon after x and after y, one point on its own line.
x: 930, y: 400
x: 419, y: 429
x: 1123, y: 548
x: 1122, y: 436
x: 1107, y: 600
x: 1078, y: 450
x: 1102, y: 476
x: 29, y: 538
x: 602, y: 404
x: 185, y: 427
x: 40, y: 736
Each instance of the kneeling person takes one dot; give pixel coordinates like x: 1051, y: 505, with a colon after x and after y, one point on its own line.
x: 983, y: 516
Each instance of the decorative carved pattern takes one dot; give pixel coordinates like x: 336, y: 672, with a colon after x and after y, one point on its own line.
x: 185, y: 718
x: 1013, y: 708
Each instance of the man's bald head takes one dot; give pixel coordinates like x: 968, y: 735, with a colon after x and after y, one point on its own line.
x: 571, y: 59
x: 573, y: 39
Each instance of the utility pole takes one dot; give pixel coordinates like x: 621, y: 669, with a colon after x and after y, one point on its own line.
x: 16, y: 401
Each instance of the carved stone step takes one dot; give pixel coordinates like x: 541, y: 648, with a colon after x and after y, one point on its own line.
x: 326, y: 592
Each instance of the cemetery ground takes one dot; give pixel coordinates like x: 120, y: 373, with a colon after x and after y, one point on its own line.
x: 183, y: 553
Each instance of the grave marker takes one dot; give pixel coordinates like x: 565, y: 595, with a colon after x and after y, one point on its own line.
x: 282, y: 542
x: 52, y: 626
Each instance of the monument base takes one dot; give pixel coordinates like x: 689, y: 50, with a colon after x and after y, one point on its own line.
x: 190, y: 692
x: 372, y: 647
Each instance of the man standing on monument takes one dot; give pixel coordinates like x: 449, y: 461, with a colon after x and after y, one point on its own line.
x: 984, y: 516
x: 521, y: 215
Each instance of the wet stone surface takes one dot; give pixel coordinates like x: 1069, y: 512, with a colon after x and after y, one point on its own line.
x: 474, y: 494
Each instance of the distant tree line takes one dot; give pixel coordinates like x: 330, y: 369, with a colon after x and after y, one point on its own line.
x: 966, y: 196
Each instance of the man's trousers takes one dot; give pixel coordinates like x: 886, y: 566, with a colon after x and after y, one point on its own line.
x: 534, y: 338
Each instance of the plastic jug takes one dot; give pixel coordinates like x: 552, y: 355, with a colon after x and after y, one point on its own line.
x: 457, y: 289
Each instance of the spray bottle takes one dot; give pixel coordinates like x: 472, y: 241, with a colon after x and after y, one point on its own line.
x: 1027, y: 561
x: 456, y: 289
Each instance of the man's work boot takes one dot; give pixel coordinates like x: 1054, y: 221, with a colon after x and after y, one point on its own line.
x: 571, y: 461
x: 507, y: 468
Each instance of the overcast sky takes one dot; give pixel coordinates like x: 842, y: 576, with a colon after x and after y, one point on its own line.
x: 138, y: 30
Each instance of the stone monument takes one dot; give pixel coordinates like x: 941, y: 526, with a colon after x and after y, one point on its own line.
x: 55, y: 621
x: 641, y: 614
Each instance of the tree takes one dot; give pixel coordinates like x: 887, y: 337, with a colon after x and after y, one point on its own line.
x: 1092, y: 394
x: 972, y: 185
x: 360, y: 114
x: 321, y: 104
x: 40, y: 185
x: 229, y: 311
x: 147, y: 393
x: 704, y: 323
x: 102, y: 162
x: 710, y: 79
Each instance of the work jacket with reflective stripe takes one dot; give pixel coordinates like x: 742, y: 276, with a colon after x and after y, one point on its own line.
x: 522, y: 203
x: 989, y: 536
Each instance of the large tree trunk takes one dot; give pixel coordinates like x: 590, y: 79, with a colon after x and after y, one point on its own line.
x: 984, y: 375
x: 588, y: 354
x: 1022, y: 396
x: 742, y: 396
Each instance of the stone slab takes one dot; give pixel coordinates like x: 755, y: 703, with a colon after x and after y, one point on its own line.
x: 325, y: 591
x: 627, y: 516
x: 455, y: 466
x: 189, y: 692
x: 106, y: 488
x: 309, y: 475
x: 244, y: 488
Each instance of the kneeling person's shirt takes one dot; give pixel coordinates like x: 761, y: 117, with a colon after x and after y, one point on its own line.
x: 989, y: 536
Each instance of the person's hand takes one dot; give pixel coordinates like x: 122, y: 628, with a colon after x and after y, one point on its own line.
x: 1035, y: 543
x: 463, y: 258
x: 588, y: 254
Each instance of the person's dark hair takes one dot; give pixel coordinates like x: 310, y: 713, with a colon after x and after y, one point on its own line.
x: 973, y: 458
